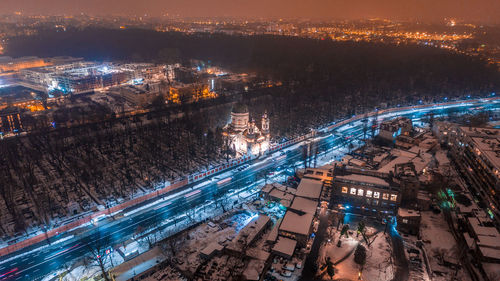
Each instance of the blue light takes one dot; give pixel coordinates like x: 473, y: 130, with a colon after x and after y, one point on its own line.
x: 53, y: 124
x: 347, y: 207
x: 138, y: 81
x: 248, y: 220
x: 493, y: 94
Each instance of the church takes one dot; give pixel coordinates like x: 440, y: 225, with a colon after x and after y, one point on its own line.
x: 243, y: 135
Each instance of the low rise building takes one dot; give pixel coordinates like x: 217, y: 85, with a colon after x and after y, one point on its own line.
x: 285, y: 247
x: 324, y: 174
x: 249, y: 234
x: 486, y: 238
x: 309, y: 188
x: 391, y: 129
x: 366, y: 193
x: 297, y: 226
x: 408, y: 221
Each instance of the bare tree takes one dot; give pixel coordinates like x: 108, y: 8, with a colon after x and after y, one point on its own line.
x: 100, y: 255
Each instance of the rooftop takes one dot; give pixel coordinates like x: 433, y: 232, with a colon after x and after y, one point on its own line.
x: 408, y: 213
x: 252, y: 229
x: 365, y: 179
x: 285, y: 246
x: 304, y: 205
x: 295, y: 223
x: 309, y: 188
x: 487, y: 140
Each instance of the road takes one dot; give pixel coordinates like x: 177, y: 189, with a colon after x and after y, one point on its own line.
x: 35, y: 262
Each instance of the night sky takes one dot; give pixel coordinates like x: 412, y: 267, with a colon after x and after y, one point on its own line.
x: 487, y: 11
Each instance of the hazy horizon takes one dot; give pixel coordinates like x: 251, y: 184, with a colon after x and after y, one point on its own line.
x: 485, y: 11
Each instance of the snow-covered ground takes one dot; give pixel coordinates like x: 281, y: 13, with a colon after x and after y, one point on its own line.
x: 379, y: 263
x: 439, y: 242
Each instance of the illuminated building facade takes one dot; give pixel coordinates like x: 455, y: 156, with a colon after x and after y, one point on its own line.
x: 77, y: 77
x: 476, y: 152
x: 10, y: 121
x: 244, y: 136
x: 366, y: 193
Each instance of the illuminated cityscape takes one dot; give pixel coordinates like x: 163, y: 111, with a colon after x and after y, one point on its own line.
x: 268, y: 140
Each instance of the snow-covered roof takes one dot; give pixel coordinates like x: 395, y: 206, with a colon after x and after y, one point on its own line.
x: 285, y: 246
x: 309, y: 188
x: 211, y: 248
x: 274, y: 232
x: 284, y: 198
x: 380, y: 157
x: 469, y: 240
x: 489, y: 241
x: 138, y: 265
x: 281, y: 194
x: 295, y: 223
x: 304, y: 205
x: 253, y: 270
x: 491, y: 269
x: 402, y: 212
x: 253, y: 228
x: 489, y: 252
x: 486, y: 140
x: 364, y: 179
x: 390, y: 166
x: 482, y: 230
x: 267, y: 188
x: 258, y: 253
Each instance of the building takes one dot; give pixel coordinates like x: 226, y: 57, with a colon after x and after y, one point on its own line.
x: 211, y: 250
x: 485, y: 238
x: 76, y: 77
x: 318, y: 173
x: 279, y: 193
x: 297, y: 222
x: 243, y: 135
x: 250, y: 233
x: 10, y: 121
x: 310, y: 189
x: 408, y: 221
x: 303, y: 205
x: 406, y: 177
x: 391, y: 129
x: 367, y: 193
x: 297, y: 226
x: 442, y: 131
x: 285, y: 247
x: 476, y: 152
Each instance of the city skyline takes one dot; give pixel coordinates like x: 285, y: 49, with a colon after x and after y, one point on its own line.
x: 483, y: 11
x: 231, y: 140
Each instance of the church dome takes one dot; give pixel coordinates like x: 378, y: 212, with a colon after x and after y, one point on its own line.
x: 240, y: 108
